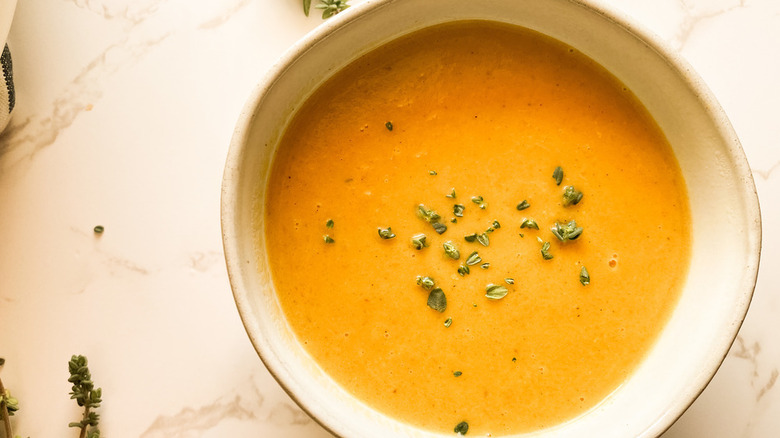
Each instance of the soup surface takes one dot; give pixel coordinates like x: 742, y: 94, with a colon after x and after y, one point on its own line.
x: 469, y: 122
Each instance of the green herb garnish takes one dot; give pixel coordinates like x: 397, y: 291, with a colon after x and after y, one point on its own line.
x: 457, y: 210
x: 427, y: 214
x: 566, y: 232
x: 473, y: 259
x: 584, y: 276
x: 418, y: 241
x: 437, y: 300
x: 451, y: 251
x: 329, y: 7
x: 496, y: 291
x: 385, y: 233
x: 447, y: 322
x: 328, y: 239
x: 462, y: 428
x: 86, y: 396
x: 432, y: 173
x: 425, y: 282
x: 558, y: 175
x: 8, y: 406
x: 485, y: 265
x: 529, y: 223
x: 523, y: 205
x: 329, y: 223
x: 431, y: 217
x: 509, y: 280
x: 470, y: 237
x: 463, y: 270
x: 452, y: 194
x: 571, y: 196
x: 483, y: 239
x: 389, y: 126
x: 494, y: 226
x: 479, y: 200
x: 457, y: 374
x: 546, y: 251
x: 99, y: 229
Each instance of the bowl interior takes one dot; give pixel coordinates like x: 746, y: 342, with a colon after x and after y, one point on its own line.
x: 724, y: 207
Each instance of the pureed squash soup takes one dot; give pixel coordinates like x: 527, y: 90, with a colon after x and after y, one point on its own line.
x: 476, y: 228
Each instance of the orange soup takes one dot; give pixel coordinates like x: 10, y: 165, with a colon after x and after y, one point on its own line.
x: 476, y: 229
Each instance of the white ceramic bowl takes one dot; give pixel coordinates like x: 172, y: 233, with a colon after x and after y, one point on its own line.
x: 724, y: 207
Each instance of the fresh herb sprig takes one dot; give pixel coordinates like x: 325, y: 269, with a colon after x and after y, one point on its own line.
x: 329, y: 9
x: 8, y: 406
x: 86, y: 396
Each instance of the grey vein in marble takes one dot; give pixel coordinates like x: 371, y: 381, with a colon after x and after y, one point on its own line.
x: 131, y: 11
x: 191, y: 422
x: 692, y: 19
x: 751, y: 353
x: 766, y: 174
x: 28, y: 136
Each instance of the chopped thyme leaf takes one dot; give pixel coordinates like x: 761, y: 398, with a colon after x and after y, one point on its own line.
x: 529, y: 223
x: 451, y: 251
x: 462, y: 428
x: 470, y: 237
x: 546, y: 251
x: 463, y: 270
x: 584, y: 276
x: 432, y: 172
x: 418, y: 241
x: 329, y: 223
x: 485, y: 265
x: 426, y: 282
x: 473, y: 259
x: 571, y: 196
x: 454, y: 220
x: 523, y: 205
x: 496, y: 225
x: 483, y: 239
x: 477, y: 199
x: 457, y: 210
x: 427, y: 214
x: 509, y: 280
x: 457, y: 374
x: 452, y: 194
x: 386, y: 233
x: 99, y: 229
x: 447, y: 322
x: 566, y: 232
x: 496, y: 291
x: 328, y: 239
x: 431, y: 217
x: 558, y: 175
x: 437, y: 300
x: 389, y: 126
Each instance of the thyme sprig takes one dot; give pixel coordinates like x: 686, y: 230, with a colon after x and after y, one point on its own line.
x: 86, y: 396
x: 329, y: 9
x: 8, y: 405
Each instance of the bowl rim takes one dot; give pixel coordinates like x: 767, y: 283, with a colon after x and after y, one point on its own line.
x: 676, y: 63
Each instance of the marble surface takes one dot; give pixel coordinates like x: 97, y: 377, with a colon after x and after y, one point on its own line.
x: 125, y: 109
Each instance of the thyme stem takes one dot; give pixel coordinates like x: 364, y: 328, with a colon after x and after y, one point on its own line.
x: 4, y: 412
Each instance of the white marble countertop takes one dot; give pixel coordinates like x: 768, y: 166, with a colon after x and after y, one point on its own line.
x: 125, y: 109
